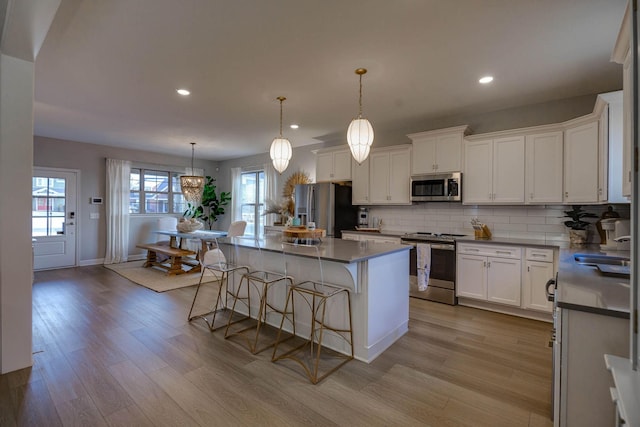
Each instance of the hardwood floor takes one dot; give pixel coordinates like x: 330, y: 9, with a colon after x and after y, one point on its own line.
x: 108, y: 352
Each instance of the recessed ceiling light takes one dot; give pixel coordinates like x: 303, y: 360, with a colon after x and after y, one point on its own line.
x: 183, y: 92
x: 486, y: 79
x: 294, y: 126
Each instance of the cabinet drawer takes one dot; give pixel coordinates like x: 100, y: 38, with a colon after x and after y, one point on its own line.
x: 542, y: 255
x: 349, y: 236
x: 491, y: 250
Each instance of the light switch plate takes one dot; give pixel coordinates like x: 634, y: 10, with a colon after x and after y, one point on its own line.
x: 94, y: 215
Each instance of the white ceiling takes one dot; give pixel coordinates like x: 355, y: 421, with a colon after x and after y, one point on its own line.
x: 108, y: 70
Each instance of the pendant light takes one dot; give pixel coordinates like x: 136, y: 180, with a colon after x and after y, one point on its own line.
x: 280, y: 147
x: 360, y: 132
x: 192, y: 186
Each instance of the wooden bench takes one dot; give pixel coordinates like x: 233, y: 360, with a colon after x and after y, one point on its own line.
x: 176, y: 261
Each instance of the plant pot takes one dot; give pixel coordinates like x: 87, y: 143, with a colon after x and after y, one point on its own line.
x: 578, y: 237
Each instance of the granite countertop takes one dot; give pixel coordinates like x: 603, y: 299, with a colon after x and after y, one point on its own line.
x: 584, y: 288
x: 331, y: 249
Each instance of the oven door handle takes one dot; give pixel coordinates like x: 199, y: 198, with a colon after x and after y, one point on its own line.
x: 550, y: 295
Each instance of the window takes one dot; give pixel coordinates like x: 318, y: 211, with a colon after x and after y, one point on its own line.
x: 154, y: 191
x: 252, y: 201
x: 48, y: 198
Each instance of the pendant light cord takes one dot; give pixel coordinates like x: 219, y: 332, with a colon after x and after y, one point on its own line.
x: 193, y: 149
x: 281, y: 98
x: 360, y: 101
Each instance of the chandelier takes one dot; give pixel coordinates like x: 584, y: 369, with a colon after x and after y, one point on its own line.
x: 360, y: 132
x: 192, y: 186
x: 280, y: 151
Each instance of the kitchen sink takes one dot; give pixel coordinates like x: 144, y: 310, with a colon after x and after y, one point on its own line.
x: 595, y: 259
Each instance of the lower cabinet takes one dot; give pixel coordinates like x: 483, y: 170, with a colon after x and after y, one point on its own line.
x: 506, y: 275
x: 489, y: 273
x: 363, y: 237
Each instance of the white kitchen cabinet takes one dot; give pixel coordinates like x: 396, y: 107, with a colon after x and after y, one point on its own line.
x: 504, y: 280
x: 471, y: 278
x: 622, y: 54
x: 370, y: 237
x: 539, y: 268
x: 490, y: 273
x: 360, y: 182
x: 544, y: 166
x: 585, y: 160
x: 379, y: 239
x: 478, y: 172
x: 494, y: 171
x: 627, y: 122
x: 438, y: 151
x: 350, y: 236
x: 389, y: 177
x: 333, y: 165
x: 584, y: 339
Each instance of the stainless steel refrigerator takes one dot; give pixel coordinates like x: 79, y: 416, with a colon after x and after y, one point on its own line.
x: 328, y: 205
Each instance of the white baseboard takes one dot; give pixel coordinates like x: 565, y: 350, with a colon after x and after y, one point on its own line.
x: 87, y: 262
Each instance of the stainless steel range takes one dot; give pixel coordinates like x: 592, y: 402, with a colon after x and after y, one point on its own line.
x: 442, y: 277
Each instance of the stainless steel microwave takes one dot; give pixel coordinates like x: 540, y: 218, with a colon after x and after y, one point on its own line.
x: 436, y: 188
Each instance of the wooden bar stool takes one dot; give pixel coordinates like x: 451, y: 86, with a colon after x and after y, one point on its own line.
x: 316, y: 295
x: 263, y: 282
x: 214, y: 262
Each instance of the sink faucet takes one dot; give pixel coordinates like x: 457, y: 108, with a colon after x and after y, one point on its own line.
x: 622, y: 239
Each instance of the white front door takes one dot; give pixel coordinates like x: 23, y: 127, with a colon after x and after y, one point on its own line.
x: 53, y: 218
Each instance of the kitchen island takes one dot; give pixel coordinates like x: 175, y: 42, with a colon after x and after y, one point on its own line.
x: 376, y: 274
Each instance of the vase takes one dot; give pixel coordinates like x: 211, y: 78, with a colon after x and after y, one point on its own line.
x: 578, y: 237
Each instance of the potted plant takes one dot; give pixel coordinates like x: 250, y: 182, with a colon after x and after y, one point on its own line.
x: 211, y: 206
x: 578, y: 227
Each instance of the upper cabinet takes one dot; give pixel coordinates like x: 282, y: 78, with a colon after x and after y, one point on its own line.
x: 360, y: 183
x: 494, y: 171
x: 543, y: 168
x: 389, y: 177
x: 438, y: 151
x: 333, y: 165
x: 575, y: 162
x: 586, y: 158
x: 622, y: 55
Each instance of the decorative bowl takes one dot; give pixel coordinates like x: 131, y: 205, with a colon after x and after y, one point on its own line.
x: 189, y: 225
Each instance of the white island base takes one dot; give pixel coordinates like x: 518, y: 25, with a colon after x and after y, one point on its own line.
x: 377, y: 276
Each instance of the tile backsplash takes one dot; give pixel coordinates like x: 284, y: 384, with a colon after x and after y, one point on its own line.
x: 523, y: 222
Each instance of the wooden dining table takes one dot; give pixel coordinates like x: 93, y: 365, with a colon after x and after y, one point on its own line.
x: 179, y: 255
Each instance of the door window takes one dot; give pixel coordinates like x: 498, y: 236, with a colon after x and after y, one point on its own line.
x: 47, y: 206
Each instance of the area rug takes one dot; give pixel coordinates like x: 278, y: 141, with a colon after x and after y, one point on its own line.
x: 156, y: 279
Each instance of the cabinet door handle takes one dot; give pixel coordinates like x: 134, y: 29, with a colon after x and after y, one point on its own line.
x: 538, y: 255
x: 566, y: 194
x: 503, y: 252
x: 528, y: 268
x: 488, y: 264
x: 484, y: 264
x: 472, y: 250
